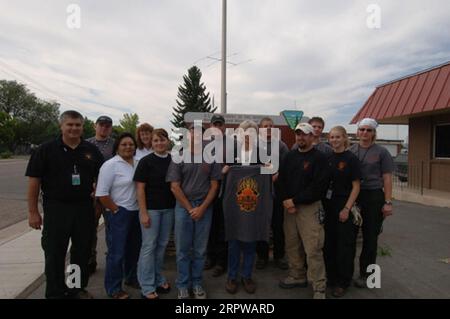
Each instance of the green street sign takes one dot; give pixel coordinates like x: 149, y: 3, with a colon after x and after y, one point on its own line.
x: 292, y: 117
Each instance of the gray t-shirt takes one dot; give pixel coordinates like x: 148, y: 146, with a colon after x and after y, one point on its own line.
x: 375, y: 161
x: 195, y: 178
x: 105, y: 147
x: 247, y: 204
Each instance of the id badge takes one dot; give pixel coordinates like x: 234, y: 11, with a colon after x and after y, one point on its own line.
x: 329, y: 194
x: 76, y: 181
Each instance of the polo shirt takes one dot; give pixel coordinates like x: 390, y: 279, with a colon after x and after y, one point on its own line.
x: 55, y: 163
x: 116, y: 180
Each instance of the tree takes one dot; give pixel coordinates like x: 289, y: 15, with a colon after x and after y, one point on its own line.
x: 192, y: 97
x: 29, y: 119
x: 129, y: 123
x: 88, y: 128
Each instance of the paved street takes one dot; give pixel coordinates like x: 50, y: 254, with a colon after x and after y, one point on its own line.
x: 414, y: 241
x: 13, y: 191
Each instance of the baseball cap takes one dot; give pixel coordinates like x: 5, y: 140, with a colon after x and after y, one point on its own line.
x: 217, y: 118
x: 305, y: 128
x: 104, y: 119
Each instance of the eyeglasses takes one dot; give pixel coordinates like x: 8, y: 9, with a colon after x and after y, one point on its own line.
x: 369, y: 130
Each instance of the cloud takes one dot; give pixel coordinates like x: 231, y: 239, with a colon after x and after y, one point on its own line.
x: 131, y: 56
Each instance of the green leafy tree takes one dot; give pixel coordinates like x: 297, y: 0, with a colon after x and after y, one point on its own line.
x: 192, y: 97
x: 129, y: 123
x: 88, y: 128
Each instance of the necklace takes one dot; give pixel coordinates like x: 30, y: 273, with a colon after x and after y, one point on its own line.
x: 104, y: 146
x: 368, y: 149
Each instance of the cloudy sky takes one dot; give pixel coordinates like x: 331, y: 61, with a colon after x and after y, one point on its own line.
x: 130, y: 56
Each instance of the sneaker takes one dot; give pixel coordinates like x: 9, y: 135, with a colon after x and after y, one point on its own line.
x: 319, y: 295
x: 281, y: 263
x: 339, y: 292
x: 183, y: 293
x: 361, y: 282
x: 199, y: 292
x: 231, y: 286
x: 249, y: 285
x: 291, y: 282
x: 261, y: 263
x: 163, y: 289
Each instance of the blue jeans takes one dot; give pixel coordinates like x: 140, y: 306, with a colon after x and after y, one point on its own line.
x: 123, y: 238
x: 154, y: 242
x: 234, y: 257
x: 191, y: 238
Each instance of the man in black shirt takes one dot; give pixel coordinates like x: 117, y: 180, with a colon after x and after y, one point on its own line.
x: 66, y: 170
x: 304, y: 178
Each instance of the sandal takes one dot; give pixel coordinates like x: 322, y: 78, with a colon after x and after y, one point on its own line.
x: 164, y: 288
x: 120, y: 295
x: 150, y: 296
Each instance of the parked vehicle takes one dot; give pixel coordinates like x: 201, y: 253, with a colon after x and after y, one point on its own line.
x: 401, y: 166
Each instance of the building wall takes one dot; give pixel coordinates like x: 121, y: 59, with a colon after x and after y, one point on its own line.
x: 435, y: 173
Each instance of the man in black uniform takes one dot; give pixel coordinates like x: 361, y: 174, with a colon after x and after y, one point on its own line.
x: 66, y: 170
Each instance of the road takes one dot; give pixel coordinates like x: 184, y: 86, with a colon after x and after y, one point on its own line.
x: 13, y: 191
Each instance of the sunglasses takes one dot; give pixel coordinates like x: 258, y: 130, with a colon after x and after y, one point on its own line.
x: 369, y: 130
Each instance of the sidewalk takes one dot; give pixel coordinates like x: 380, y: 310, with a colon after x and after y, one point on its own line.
x: 416, y: 238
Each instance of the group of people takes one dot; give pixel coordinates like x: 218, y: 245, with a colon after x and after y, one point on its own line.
x: 144, y: 194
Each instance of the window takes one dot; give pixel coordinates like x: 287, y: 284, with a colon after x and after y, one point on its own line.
x: 442, y: 141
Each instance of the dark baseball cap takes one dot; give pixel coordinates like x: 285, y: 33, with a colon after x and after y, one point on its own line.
x: 104, y: 119
x: 217, y: 118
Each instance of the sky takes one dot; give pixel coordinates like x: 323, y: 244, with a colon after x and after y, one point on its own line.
x: 321, y: 57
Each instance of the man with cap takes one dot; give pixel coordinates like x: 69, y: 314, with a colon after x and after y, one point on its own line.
x: 104, y: 143
x: 304, y: 178
x: 217, y: 251
x: 318, y: 124
x: 375, y: 197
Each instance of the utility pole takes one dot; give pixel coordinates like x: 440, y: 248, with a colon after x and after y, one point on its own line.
x: 223, y: 86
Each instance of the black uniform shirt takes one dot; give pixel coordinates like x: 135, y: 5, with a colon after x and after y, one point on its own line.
x: 304, y: 176
x: 55, y: 163
x: 345, y: 169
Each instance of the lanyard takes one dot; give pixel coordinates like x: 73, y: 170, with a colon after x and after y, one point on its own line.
x: 362, y: 159
x: 105, y: 145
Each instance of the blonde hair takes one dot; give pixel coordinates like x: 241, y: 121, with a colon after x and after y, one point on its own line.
x: 341, y: 130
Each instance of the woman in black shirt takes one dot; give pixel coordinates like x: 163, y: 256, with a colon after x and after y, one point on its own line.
x: 156, y: 212
x: 340, y: 232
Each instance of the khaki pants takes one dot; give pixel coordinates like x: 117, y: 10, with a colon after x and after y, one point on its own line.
x: 304, y: 237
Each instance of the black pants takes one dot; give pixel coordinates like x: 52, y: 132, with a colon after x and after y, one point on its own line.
x: 262, y: 247
x: 340, y: 244
x: 64, y: 221
x: 217, y: 250
x: 371, y: 202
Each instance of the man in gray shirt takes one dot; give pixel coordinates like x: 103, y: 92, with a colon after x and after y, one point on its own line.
x: 194, y: 186
x: 104, y: 143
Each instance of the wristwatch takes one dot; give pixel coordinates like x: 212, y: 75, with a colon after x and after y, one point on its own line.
x: 388, y: 202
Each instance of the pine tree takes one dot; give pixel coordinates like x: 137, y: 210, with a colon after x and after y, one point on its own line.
x: 191, y: 97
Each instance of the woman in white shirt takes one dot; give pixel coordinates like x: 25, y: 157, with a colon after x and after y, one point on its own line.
x: 117, y: 193
x: 144, y: 140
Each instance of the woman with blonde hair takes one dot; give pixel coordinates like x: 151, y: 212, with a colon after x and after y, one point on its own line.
x: 340, y: 232
x: 144, y: 140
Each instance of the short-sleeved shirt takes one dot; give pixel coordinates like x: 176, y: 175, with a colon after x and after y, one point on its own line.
x: 152, y: 170
x: 344, y: 170
x: 56, y: 164
x: 141, y: 152
x: 321, y: 146
x: 116, y: 180
x: 195, y: 178
x: 105, y: 147
x: 282, y: 149
x: 375, y: 161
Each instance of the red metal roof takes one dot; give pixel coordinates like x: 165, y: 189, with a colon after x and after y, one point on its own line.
x: 395, y: 101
